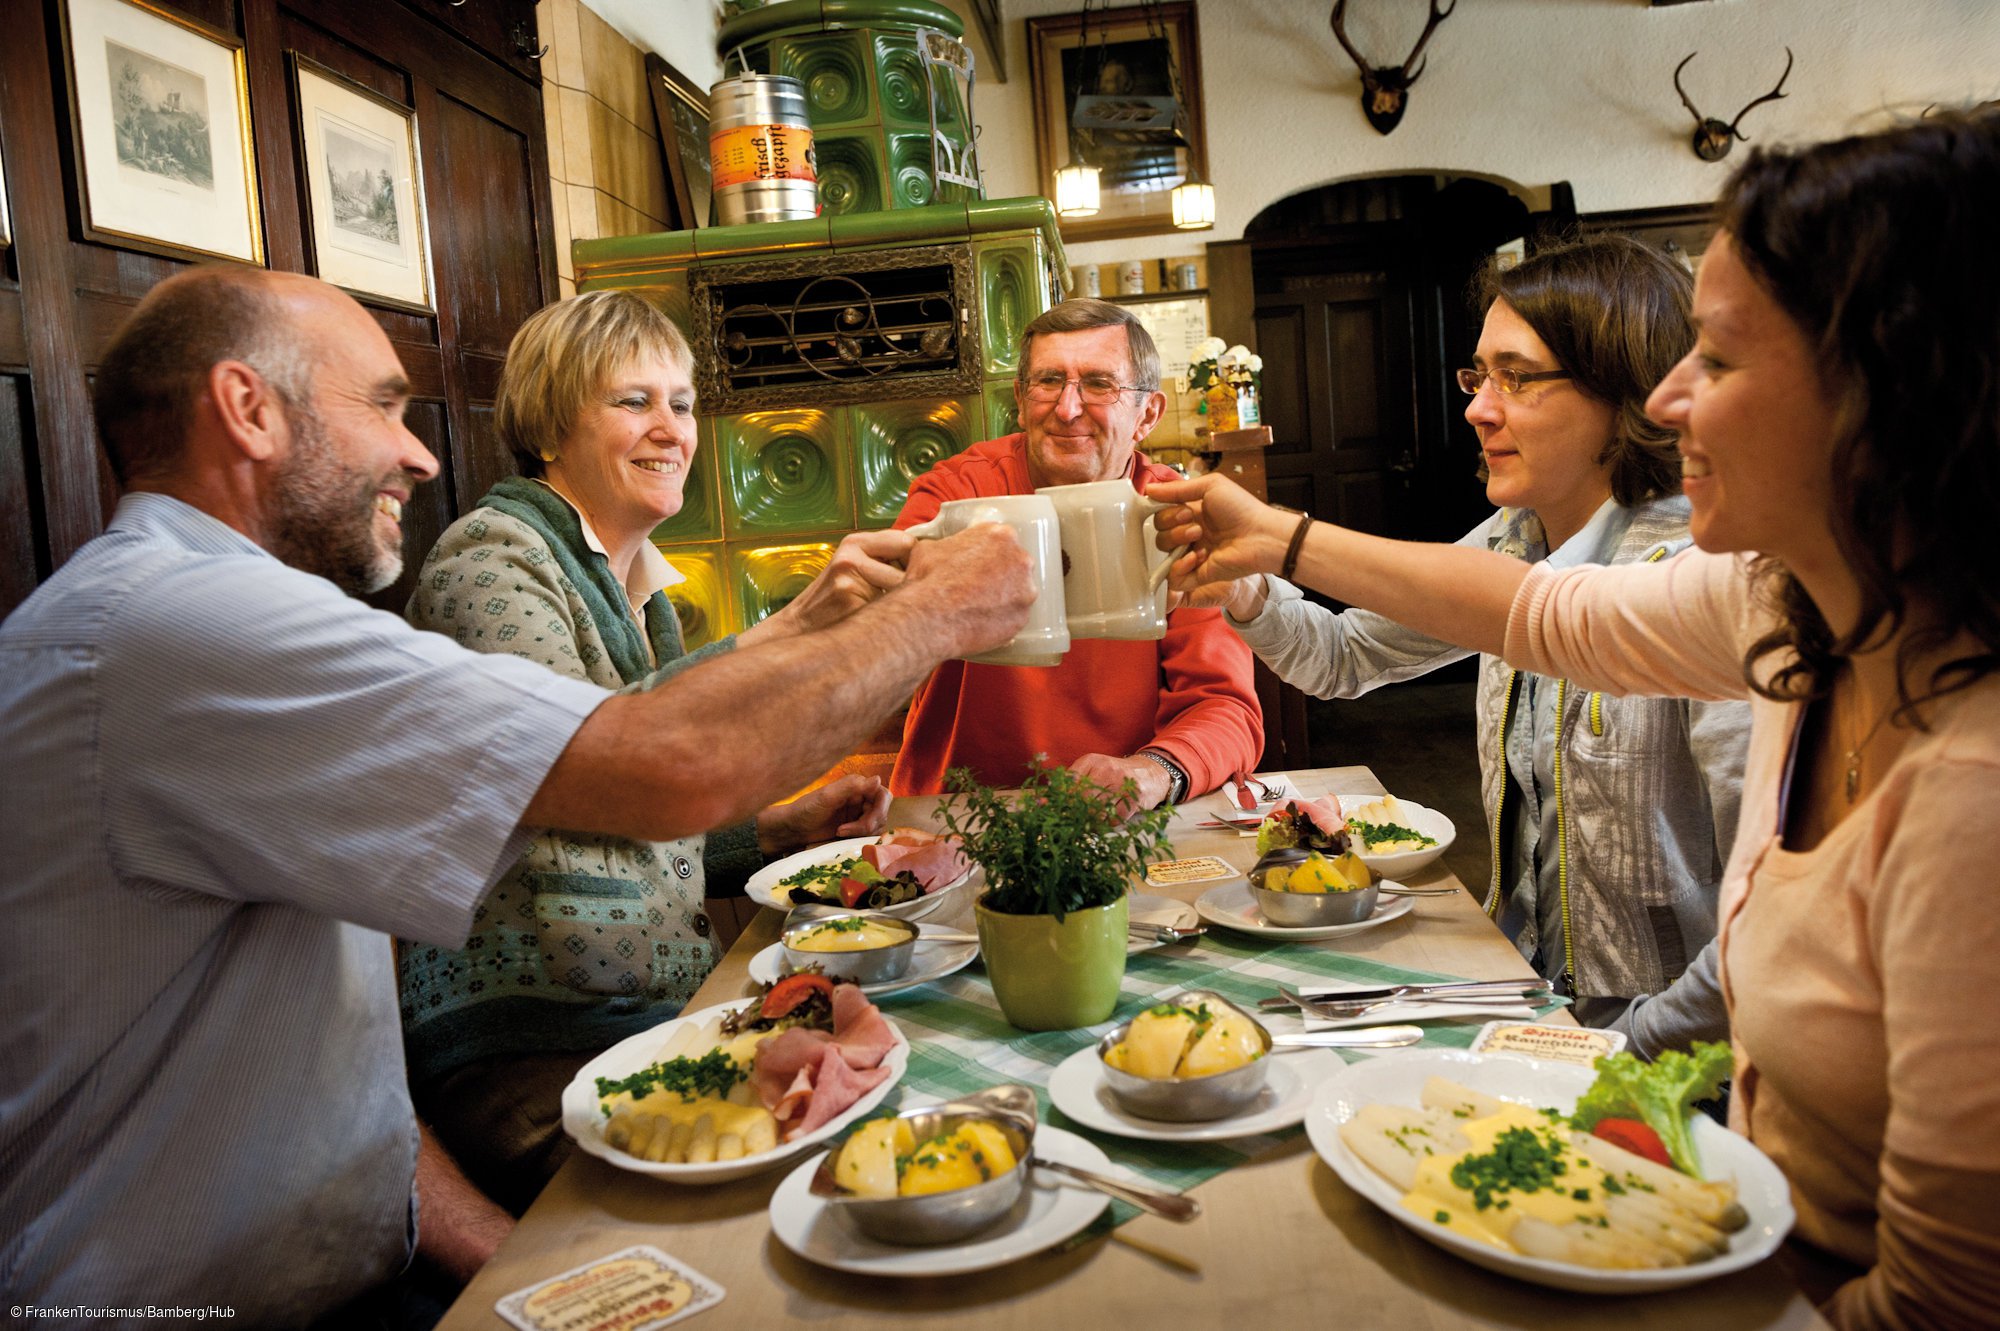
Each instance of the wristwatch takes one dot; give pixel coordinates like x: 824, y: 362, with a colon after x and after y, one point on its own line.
x: 1177, y: 780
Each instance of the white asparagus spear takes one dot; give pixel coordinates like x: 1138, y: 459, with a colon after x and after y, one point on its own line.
x: 701, y: 1146
x: 1391, y: 1139
x: 1665, y: 1224
x: 1714, y: 1202
x: 1583, y: 1244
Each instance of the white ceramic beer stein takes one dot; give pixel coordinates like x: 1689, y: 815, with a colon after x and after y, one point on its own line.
x: 1045, y: 637
x: 1114, y: 579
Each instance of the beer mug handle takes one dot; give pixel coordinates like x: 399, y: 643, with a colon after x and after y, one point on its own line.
x: 935, y: 530
x: 1158, y: 573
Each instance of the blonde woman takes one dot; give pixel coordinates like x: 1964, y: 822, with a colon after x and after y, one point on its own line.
x: 589, y: 938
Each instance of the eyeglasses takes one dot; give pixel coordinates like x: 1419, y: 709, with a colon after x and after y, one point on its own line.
x: 1098, y: 390
x: 1505, y: 380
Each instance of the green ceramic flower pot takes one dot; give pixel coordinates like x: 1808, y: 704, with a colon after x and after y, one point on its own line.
x: 1053, y: 976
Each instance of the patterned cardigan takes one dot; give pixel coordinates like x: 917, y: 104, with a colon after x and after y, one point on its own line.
x: 586, y: 939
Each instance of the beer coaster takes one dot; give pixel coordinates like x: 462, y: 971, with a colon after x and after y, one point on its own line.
x: 1201, y: 869
x: 637, y: 1289
x: 1580, y: 1045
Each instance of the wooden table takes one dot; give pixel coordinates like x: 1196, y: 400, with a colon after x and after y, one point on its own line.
x: 1282, y: 1242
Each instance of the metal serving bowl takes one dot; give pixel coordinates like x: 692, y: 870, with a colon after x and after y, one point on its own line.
x: 867, y: 966
x: 1188, y: 1099
x: 945, y: 1217
x: 1307, y: 910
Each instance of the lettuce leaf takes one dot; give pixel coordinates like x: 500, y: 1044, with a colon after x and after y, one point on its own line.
x: 1660, y: 1094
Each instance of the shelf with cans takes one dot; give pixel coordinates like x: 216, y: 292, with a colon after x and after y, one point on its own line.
x: 837, y: 359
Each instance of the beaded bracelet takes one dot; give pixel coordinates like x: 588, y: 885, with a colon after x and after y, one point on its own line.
x: 1298, y: 543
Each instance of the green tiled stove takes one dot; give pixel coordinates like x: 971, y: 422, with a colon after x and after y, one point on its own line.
x: 837, y: 359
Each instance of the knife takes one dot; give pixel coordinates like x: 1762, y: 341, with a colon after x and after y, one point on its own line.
x: 1278, y: 1002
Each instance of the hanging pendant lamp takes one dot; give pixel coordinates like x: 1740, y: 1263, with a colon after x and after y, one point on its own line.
x: 1194, y: 201
x: 1077, y: 193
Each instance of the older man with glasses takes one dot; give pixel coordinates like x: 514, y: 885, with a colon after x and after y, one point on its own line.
x: 1176, y: 716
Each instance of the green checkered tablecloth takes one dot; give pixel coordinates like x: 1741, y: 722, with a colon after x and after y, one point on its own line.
x: 960, y: 1043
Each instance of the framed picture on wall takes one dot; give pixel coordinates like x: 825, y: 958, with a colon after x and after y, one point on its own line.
x: 364, y: 191
x: 1126, y: 65
x: 160, y: 114
x: 682, y: 110
x: 1178, y: 323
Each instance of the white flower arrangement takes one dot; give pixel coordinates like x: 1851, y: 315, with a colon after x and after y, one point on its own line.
x: 1213, y: 362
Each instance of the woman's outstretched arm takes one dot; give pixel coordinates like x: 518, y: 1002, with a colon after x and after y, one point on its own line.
x: 1452, y: 592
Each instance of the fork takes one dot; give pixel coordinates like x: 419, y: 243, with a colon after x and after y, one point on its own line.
x: 1266, y: 792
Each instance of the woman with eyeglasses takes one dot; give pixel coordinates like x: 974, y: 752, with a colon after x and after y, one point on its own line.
x: 1609, y: 818
x: 1839, y: 423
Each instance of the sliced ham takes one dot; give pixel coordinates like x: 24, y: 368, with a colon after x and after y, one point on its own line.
x: 807, y: 1077
x: 836, y: 1087
x: 859, y: 1028
x: 797, y: 1097
x: 932, y: 860
x: 1324, y: 812
x: 784, y: 1057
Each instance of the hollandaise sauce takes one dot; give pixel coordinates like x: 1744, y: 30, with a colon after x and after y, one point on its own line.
x: 1519, y: 1164
x: 850, y: 935
x: 726, y: 1115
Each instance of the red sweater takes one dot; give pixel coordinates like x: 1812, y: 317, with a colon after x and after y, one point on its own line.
x: 1189, y: 694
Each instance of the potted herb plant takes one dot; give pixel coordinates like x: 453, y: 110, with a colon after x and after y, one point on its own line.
x: 1052, y: 920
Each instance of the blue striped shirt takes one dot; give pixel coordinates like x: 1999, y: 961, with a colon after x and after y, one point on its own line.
x: 224, y: 782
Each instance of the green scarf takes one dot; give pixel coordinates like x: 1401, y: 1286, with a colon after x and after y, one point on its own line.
x: 550, y: 514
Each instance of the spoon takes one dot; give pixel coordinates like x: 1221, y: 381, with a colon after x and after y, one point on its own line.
x: 1166, y: 1205
x: 1166, y: 933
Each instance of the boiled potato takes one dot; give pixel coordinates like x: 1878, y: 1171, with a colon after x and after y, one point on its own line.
x: 1154, y: 1044
x: 1229, y: 1042
x: 866, y: 1165
x: 1320, y: 874
x: 989, y: 1145
x: 945, y: 1165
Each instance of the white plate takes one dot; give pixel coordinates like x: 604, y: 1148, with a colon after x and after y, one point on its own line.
x: 1052, y: 1209
x: 1428, y: 821
x: 933, y: 961
x: 763, y: 885
x: 1399, y: 1079
x: 1149, y: 908
x: 583, y: 1121
x: 1078, y: 1088
x: 1232, y: 907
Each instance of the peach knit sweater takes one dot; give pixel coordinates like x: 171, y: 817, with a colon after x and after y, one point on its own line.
x: 1863, y: 975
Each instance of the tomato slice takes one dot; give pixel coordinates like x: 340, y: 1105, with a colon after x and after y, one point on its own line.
x: 1634, y: 1136
x: 851, y: 890
x: 793, y: 990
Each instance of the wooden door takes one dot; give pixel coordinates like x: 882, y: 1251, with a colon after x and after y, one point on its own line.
x: 1334, y: 330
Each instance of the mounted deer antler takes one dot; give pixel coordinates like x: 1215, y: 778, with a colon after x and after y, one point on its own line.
x: 1713, y: 139
x: 1385, y: 89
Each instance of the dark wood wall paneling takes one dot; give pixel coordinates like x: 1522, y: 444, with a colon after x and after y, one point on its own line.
x: 467, y: 71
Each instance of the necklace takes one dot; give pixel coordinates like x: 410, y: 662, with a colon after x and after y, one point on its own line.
x: 1854, y: 754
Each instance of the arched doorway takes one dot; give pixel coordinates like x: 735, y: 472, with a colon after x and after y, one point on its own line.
x: 1362, y: 311
x: 1362, y: 306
